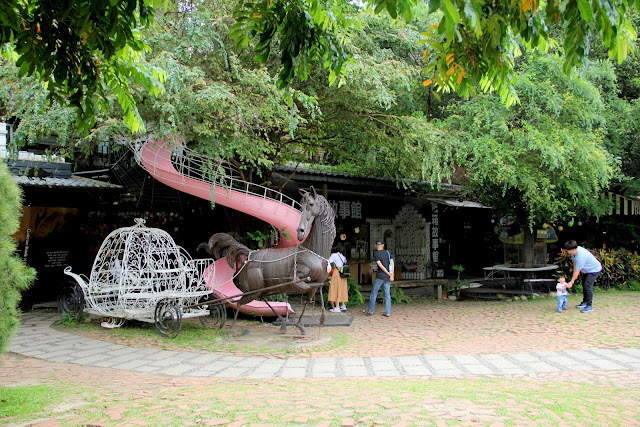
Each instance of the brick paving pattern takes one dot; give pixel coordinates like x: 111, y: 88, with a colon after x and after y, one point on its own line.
x: 433, y: 363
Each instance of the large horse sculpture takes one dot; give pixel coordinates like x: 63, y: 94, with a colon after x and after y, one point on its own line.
x: 258, y: 272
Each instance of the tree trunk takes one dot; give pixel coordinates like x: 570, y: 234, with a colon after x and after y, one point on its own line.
x: 527, y: 247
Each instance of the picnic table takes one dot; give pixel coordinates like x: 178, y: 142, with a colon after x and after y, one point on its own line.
x: 528, y: 275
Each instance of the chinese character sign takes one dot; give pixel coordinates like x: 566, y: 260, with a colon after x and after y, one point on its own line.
x: 356, y: 210
x: 345, y: 209
x: 435, y: 241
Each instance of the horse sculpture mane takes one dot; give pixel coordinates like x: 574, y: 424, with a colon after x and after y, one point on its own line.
x: 263, y: 269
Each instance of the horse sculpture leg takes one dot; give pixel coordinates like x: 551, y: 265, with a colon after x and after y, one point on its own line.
x: 235, y: 317
x: 283, y: 320
x: 309, y: 294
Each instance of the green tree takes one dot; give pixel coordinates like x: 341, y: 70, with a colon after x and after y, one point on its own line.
x: 227, y: 106
x: 621, y: 95
x: 14, y: 275
x: 83, y: 51
x: 543, y: 160
x: 474, y: 42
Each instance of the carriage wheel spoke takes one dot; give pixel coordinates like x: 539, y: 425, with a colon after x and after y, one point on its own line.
x: 168, y: 318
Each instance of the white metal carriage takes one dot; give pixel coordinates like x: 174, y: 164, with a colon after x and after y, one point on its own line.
x: 140, y: 273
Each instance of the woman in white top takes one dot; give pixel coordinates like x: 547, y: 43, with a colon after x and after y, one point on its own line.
x: 338, y: 289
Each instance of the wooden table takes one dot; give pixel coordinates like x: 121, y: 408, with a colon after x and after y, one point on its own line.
x: 528, y: 275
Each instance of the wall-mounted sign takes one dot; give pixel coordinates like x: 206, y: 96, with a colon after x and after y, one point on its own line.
x: 347, y: 209
x: 435, y: 241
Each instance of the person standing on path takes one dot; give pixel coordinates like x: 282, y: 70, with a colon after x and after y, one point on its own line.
x: 338, y: 288
x: 583, y: 262
x: 384, y: 277
x: 561, y: 293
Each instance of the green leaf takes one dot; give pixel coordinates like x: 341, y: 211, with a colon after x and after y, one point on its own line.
x: 24, y: 69
x: 392, y: 9
x: 435, y: 5
x: 585, y: 10
x: 451, y: 11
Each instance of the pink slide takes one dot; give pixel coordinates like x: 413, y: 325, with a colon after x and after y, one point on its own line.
x: 279, y: 210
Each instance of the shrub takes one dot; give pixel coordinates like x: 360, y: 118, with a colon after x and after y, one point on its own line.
x: 398, y: 296
x: 619, y: 267
x: 355, y: 296
x: 633, y: 285
x: 15, y: 276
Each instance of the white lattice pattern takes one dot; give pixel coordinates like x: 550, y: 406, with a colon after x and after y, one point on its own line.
x: 135, y: 268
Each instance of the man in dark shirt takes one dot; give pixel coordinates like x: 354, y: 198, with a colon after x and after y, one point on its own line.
x: 384, y: 277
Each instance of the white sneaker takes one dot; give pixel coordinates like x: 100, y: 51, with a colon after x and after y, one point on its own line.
x: 343, y: 308
x: 335, y: 310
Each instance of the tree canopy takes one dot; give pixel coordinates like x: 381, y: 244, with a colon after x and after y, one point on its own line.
x: 83, y: 51
x: 547, y: 157
x: 542, y: 160
x: 473, y: 43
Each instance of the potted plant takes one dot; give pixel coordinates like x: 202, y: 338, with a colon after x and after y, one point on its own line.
x: 459, y: 282
x: 259, y: 237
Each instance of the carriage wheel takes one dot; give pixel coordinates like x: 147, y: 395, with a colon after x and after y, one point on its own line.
x: 216, y: 318
x: 168, y: 318
x: 71, y: 302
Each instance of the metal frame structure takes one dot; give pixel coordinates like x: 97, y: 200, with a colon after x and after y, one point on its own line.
x: 140, y: 273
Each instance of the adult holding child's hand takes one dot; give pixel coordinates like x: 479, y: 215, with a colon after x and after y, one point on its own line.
x: 583, y: 262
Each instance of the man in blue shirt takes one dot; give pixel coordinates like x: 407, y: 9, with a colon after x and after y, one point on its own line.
x: 583, y: 262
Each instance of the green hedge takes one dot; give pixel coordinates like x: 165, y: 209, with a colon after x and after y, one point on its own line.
x: 15, y: 276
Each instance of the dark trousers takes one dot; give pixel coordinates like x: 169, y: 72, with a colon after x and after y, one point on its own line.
x: 587, y: 287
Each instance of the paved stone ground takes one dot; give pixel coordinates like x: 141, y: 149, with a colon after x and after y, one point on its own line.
x: 434, y: 363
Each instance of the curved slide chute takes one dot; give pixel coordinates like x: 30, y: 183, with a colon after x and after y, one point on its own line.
x: 185, y: 171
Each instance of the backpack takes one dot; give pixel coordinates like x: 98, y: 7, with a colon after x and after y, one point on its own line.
x: 345, y: 271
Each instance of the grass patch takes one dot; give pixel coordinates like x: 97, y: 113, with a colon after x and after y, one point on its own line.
x: 482, y: 402
x: 20, y: 402
x: 192, y: 337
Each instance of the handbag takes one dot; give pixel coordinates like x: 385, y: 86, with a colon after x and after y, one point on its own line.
x: 345, y: 271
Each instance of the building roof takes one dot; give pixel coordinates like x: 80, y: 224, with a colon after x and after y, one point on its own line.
x: 463, y: 203
x: 71, y: 182
x: 311, y: 173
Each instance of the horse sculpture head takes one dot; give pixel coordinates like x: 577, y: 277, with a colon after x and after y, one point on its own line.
x: 311, y: 207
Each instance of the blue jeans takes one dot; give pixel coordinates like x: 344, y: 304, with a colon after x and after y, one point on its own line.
x: 562, y: 302
x: 386, y: 288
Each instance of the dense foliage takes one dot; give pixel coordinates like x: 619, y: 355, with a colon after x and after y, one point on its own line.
x: 81, y: 49
x: 14, y: 275
x: 620, y: 268
x: 544, y: 159
x: 473, y: 43
x: 227, y: 106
